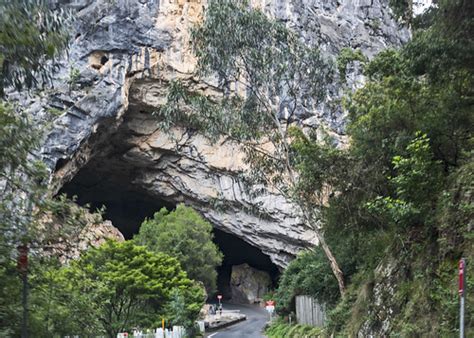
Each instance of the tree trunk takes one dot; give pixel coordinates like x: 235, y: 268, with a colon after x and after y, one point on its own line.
x: 410, y: 13
x: 336, y: 270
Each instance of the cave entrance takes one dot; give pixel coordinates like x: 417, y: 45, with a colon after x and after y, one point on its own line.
x: 134, y: 170
x: 246, y: 272
x: 125, y: 205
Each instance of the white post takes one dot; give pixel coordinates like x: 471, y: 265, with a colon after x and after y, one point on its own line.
x: 159, y: 333
x: 461, y: 319
x: 202, y: 326
x: 462, y: 292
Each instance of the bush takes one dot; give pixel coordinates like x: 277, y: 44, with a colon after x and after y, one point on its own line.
x: 308, y: 274
x: 184, y: 234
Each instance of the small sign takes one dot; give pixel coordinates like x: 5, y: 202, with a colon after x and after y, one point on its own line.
x: 270, y: 306
x: 22, y: 262
x: 219, y: 297
x: 462, y: 268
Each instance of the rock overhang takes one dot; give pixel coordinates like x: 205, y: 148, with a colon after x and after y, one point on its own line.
x: 139, y: 166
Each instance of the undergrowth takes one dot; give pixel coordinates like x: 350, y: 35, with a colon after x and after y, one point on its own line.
x: 282, y: 329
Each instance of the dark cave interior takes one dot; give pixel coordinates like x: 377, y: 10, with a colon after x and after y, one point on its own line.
x: 126, y: 206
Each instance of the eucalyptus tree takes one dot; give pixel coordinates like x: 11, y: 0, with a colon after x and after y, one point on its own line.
x: 32, y: 34
x: 266, y: 76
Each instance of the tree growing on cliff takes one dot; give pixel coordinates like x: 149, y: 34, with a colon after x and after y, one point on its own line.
x: 31, y: 36
x: 267, y: 77
x: 184, y: 234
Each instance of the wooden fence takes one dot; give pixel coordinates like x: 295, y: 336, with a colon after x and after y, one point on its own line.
x: 309, y: 311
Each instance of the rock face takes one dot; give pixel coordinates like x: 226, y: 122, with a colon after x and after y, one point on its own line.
x: 248, y: 285
x: 94, y: 233
x: 127, y: 52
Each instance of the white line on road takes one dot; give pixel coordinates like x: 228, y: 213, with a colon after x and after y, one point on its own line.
x: 212, y: 335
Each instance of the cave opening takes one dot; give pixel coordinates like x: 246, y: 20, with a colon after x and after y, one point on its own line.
x: 125, y: 205
x: 109, y: 183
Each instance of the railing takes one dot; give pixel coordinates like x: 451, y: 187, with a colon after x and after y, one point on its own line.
x: 176, y: 332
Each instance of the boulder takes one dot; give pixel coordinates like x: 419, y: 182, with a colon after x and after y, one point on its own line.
x: 248, y: 285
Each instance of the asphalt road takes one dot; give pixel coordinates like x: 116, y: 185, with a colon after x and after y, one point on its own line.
x: 252, y: 327
x: 257, y: 317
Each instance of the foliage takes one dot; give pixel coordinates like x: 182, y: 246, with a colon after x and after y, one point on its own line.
x: 347, y: 55
x: 74, y: 75
x: 116, y: 286
x: 390, y: 198
x: 308, y: 274
x: 52, y: 311
x: 9, y: 291
x: 31, y: 36
x: 184, y: 234
x: 18, y: 138
x: 120, y: 285
x: 183, y: 313
x: 280, y: 329
x: 263, y: 61
x: 319, y: 165
x: 417, y: 176
x: 411, y: 151
x: 398, y: 212
x: 272, y: 69
x: 49, y: 312
x: 339, y: 316
x: 403, y: 9
x: 454, y: 213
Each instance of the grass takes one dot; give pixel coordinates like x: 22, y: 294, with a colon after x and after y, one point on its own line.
x: 281, y: 329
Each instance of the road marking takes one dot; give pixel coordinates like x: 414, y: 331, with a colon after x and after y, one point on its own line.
x: 212, y: 335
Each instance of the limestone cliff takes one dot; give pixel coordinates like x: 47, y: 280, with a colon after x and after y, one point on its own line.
x: 122, y: 57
